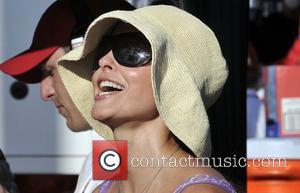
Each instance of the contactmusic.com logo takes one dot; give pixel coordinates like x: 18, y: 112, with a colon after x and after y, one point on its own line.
x: 110, y: 160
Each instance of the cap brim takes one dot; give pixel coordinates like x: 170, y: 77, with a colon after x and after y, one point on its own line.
x: 26, y: 61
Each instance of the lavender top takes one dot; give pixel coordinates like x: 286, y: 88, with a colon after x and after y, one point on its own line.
x: 205, y: 179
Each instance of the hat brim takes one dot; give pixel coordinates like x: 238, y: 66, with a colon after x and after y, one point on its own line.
x: 21, y: 64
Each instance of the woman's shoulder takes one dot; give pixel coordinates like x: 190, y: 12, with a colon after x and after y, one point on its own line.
x: 205, y: 183
x: 208, y: 180
x: 203, y: 188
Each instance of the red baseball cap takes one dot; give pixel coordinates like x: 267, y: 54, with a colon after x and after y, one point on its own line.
x: 54, y: 30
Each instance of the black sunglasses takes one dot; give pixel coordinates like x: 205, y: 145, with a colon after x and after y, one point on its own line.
x: 129, y: 49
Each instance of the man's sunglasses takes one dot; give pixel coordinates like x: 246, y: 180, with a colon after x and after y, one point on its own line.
x: 129, y: 49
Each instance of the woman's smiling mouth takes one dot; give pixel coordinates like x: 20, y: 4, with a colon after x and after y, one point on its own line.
x: 107, y: 87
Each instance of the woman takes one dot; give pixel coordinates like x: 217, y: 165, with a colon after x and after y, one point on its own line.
x: 156, y: 71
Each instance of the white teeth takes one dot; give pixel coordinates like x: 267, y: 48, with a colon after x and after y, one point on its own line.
x: 111, y: 84
x: 103, y: 93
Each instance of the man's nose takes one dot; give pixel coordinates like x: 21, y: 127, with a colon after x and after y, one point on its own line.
x: 47, y: 90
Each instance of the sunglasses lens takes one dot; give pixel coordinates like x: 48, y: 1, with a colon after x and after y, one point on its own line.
x: 132, y: 56
x: 129, y: 49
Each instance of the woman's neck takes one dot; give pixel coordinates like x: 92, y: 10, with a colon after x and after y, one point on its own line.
x: 146, y: 141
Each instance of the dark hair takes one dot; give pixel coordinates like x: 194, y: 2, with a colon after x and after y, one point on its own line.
x: 165, y: 2
x: 85, y: 14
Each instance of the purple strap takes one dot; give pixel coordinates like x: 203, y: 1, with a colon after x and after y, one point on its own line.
x: 105, y: 186
x: 206, y: 179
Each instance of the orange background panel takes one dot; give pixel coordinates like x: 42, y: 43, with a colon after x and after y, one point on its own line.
x: 273, y: 186
x: 287, y: 86
x: 274, y: 179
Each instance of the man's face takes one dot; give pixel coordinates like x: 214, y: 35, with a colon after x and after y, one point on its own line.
x: 52, y: 88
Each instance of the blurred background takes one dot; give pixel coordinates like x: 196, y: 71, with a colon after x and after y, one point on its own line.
x: 273, y: 95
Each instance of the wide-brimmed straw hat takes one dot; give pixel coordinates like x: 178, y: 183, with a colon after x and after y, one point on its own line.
x: 188, y: 70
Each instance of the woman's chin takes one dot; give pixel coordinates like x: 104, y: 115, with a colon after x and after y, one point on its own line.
x: 100, y: 115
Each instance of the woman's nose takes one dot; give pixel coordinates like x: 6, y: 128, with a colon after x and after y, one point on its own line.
x: 107, y: 62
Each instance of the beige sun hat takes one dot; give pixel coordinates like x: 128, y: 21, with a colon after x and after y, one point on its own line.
x: 188, y: 70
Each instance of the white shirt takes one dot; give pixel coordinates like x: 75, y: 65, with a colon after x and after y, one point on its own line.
x: 85, y: 183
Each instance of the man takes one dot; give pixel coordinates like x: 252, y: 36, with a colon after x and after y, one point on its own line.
x: 59, y: 30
